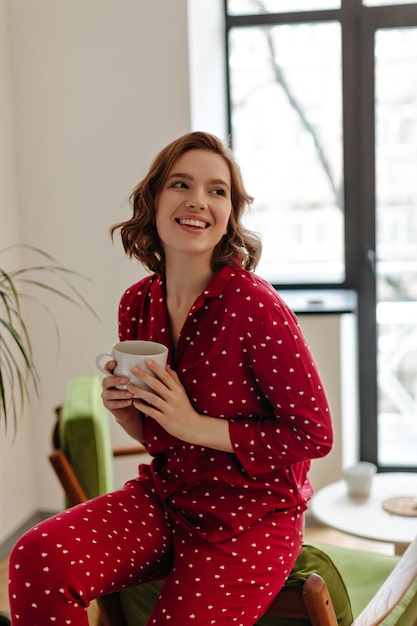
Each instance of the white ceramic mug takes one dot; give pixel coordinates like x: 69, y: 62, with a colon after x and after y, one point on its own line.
x: 359, y: 478
x: 130, y: 353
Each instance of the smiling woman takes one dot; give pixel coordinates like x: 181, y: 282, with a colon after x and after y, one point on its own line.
x: 232, y: 422
x: 139, y: 234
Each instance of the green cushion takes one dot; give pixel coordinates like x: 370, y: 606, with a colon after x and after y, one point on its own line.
x: 85, y: 435
x: 362, y: 572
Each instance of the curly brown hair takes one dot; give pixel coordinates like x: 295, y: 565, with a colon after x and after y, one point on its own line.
x: 239, y: 247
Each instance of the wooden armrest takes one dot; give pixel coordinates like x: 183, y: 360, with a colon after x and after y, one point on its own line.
x: 309, y: 601
x: 129, y: 450
x: 317, y: 599
x: 67, y: 477
x: 393, y: 589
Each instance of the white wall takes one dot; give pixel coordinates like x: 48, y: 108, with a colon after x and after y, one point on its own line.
x: 332, y: 339
x: 207, y: 59
x: 98, y: 86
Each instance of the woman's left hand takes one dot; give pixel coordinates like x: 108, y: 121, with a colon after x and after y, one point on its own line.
x: 166, y: 402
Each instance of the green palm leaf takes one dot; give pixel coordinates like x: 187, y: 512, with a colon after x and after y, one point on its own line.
x: 18, y: 372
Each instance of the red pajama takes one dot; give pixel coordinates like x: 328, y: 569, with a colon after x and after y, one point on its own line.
x: 125, y: 538
x: 225, y: 527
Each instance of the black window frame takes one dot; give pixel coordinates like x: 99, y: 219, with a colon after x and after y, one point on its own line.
x: 358, y: 26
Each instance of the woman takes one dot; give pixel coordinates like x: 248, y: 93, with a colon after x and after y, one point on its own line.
x: 232, y: 422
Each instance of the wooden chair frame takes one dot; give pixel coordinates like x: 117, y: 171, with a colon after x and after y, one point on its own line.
x: 310, y: 600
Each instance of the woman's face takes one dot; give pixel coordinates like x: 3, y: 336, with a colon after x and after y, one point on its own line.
x: 194, y: 205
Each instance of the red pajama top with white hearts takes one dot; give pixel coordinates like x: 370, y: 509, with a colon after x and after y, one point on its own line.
x: 242, y: 357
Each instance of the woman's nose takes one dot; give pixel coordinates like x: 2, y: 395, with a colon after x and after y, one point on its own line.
x: 197, y: 201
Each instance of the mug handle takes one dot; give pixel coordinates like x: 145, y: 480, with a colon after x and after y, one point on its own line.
x: 98, y: 362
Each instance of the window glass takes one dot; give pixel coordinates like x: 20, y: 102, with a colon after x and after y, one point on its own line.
x: 286, y: 115
x: 396, y: 218
x: 383, y: 3
x: 250, y: 7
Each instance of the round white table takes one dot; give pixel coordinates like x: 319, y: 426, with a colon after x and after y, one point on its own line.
x: 366, y: 517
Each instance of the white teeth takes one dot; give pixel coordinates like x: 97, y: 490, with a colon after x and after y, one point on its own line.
x: 189, y: 222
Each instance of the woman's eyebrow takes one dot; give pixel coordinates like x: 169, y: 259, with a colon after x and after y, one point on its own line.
x: 180, y: 175
x: 219, y: 181
x: 214, y: 181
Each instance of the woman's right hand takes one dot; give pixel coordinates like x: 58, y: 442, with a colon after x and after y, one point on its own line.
x: 118, y: 401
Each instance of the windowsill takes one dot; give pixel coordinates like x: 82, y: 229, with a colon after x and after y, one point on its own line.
x: 322, y: 301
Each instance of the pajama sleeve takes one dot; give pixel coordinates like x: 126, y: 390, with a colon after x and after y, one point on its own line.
x: 299, y: 428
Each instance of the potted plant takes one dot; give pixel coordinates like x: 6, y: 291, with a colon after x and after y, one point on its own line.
x: 18, y: 371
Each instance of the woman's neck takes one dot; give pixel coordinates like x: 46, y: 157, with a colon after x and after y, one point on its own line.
x: 183, y: 289
x: 186, y: 279
x: 183, y: 286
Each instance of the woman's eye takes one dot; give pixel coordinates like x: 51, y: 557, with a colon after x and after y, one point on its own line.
x: 179, y: 185
x: 219, y: 192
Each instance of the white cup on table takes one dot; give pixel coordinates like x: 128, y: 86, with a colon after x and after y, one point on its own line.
x: 358, y: 478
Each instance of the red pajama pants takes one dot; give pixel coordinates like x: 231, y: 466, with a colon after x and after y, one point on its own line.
x: 125, y: 538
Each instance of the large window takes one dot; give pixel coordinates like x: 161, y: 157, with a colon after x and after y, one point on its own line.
x: 396, y: 241
x: 323, y: 115
x: 287, y: 131
x: 242, y: 7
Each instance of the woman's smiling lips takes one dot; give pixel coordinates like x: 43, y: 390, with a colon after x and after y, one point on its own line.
x: 192, y: 222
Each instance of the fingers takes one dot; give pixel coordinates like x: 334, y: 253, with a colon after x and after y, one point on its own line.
x: 110, y: 382
x: 160, y: 378
x: 113, y: 397
x: 174, y: 375
x: 160, y: 385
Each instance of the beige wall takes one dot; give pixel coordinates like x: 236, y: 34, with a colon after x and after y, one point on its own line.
x: 97, y: 87
x: 16, y: 460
